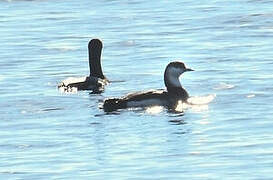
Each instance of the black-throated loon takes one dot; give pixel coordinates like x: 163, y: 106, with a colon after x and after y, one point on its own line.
x: 96, y: 80
x: 168, y: 98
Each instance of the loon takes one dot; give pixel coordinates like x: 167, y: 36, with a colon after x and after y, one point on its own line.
x: 168, y: 98
x: 96, y: 80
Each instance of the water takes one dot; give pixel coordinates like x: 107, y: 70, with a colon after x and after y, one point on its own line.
x: 49, y: 135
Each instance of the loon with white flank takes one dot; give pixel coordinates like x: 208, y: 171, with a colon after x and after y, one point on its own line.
x: 168, y: 98
x: 96, y: 80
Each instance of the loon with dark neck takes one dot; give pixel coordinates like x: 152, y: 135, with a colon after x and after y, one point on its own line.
x: 96, y: 80
x: 168, y: 98
x: 94, y: 51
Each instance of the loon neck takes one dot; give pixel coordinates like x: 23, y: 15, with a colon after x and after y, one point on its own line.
x: 94, y: 50
x: 174, y: 87
x: 171, y: 80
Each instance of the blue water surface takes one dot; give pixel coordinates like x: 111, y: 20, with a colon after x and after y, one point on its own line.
x: 46, y: 134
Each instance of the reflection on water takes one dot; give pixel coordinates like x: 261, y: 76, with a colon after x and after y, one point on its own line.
x: 195, y: 103
x: 201, y: 100
x: 177, y: 121
x: 154, y: 109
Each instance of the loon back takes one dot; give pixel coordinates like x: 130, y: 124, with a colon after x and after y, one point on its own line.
x: 137, y: 99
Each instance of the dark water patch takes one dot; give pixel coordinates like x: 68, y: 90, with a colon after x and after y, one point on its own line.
x: 52, y: 109
x: 95, y: 123
x: 260, y: 1
x: 13, y: 172
x: 177, y: 122
x: 108, y: 113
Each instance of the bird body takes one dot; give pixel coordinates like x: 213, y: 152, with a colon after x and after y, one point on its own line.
x: 168, y: 98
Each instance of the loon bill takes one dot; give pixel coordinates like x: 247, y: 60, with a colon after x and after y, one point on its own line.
x: 168, y: 98
x: 96, y: 81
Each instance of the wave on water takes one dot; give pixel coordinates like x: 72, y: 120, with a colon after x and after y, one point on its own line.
x: 2, y: 78
x: 223, y: 86
x: 61, y: 47
x: 251, y: 96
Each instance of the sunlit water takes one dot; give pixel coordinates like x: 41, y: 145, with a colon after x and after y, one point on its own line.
x: 45, y: 134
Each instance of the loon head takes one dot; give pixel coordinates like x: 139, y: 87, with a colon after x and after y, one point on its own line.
x: 94, y: 49
x: 172, y: 73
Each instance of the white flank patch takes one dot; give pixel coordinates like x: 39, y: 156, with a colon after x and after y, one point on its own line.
x: 197, y: 103
x: 201, y: 100
x: 72, y: 80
